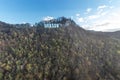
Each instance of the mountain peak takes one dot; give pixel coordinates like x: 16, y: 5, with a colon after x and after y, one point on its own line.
x: 59, y: 22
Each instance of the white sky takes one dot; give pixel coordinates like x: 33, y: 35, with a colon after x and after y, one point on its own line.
x: 103, y: 18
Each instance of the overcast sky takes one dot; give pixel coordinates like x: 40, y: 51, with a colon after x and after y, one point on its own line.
x: 99, y: 15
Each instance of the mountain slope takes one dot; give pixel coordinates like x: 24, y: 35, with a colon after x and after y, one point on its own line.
x: 67, y: 52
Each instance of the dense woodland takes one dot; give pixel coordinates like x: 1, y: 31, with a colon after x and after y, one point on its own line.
x: 67, y: 52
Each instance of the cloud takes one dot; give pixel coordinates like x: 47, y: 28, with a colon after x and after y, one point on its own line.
x: 47, y: 18
x: 102, y: 7
x: 105, y: 18
x: 89, y: 10
x: 101, y: 11
x: 80, y: 19
x: 93, y: 17
x: 108, y: 23
x: 111, y: 7
x: 104, y: 24
x: 77, y: 14
x: 104, y: 13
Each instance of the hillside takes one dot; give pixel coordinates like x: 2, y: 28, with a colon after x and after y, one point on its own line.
x: 63, y: 51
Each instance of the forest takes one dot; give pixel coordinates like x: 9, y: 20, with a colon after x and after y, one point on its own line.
x: 62, y: 52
